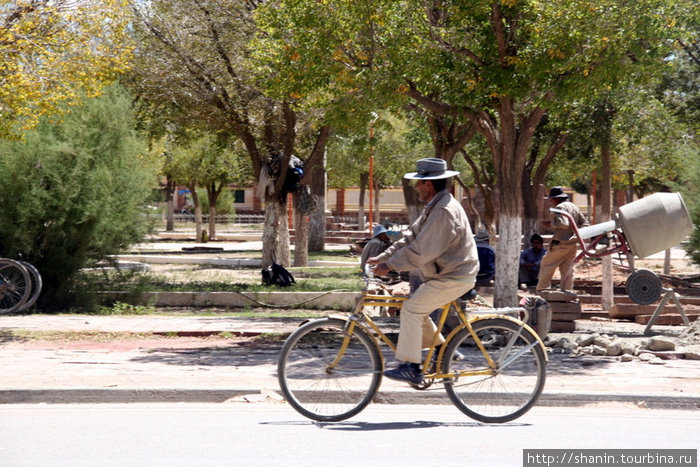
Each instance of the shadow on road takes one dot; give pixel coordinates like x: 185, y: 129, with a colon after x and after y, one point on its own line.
x: 383, y: 426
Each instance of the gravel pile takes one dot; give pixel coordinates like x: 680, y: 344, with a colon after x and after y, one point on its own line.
x: 655, y: 350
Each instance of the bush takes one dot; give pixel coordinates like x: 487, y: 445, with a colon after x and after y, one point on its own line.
x: 691, y: 196
x: 74, y: 192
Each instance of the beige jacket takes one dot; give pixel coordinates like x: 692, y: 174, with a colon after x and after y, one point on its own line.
x: 439, y: 243
x: 562, y: 230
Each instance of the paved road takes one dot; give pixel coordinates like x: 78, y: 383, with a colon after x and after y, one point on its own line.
x: 264, y: 434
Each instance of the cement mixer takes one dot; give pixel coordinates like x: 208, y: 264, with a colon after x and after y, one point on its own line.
x: 641, y: 228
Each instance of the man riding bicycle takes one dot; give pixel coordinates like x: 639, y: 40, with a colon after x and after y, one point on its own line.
x: 441, y: 246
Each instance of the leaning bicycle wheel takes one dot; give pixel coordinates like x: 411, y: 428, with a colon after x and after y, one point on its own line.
x: 37, y: 284
x: 15, y: 285
x: 508, y: 389
x: 317, y: 383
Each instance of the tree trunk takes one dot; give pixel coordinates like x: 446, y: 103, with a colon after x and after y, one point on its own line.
x: 606, y: 299
x: 197, y: 214
x: 364, y: 177
x: 468, y: 204
x: 317, y: 219
x: 533, y: 180
x: 508, y: 251
x: 212, y: 222
x: 509, y: 141
x: 484, y: 183
x: 532, y: 210
x: 301, y: 237
x: 213, y: 197
x: 275, y: 232
x: 630, y: 185
x: 170, y: 188
x: 413, y: 205
x: 377, y: 214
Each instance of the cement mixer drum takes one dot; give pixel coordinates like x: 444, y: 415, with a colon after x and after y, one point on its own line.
x: 655, y: 223
x: 643, y: 287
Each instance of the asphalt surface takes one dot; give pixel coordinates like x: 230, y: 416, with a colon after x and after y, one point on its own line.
x: 105, y: 359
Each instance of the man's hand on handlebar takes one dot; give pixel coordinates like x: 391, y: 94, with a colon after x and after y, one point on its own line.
x: 381, y: 269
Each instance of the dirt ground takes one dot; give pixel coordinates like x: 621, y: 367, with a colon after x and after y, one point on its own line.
x: 589, y: 270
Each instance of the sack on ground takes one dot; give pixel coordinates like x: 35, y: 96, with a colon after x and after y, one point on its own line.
x: 276, y: 274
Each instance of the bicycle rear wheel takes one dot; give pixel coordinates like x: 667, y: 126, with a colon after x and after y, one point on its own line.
x: 512, y: 387
x: 15, y: 285
x: 315, y: 388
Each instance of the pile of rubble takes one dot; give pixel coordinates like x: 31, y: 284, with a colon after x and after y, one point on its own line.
x: 654, y: 350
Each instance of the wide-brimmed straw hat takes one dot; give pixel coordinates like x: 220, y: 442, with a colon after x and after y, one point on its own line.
x: 431, y: 169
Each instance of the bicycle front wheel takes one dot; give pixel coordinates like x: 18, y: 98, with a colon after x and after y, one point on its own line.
x: 320, y: 382
x: 507, y: 388
x: 15, y: 285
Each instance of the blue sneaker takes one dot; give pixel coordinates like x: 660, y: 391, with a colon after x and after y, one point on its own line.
x: 405, y: 372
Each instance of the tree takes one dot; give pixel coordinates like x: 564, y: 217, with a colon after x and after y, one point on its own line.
x: 194, y: 65
x: 500, y: 65
x: 53, y: 51
x: 73, y: 193
x: 200, y: 159
x: 691, y: 195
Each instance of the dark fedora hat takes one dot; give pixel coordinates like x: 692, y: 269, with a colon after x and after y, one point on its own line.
x: 557, y: 192
x: 431, y: 169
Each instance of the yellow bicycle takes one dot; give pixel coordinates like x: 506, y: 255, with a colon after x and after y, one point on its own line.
x: 492, y: 365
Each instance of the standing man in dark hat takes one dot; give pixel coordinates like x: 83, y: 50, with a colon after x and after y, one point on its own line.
x: 440, y: 245
x: 562, y: 248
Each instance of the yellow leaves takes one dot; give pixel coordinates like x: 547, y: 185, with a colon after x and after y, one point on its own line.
x: 513, y: 61
x: 338, y: 55
x: 402, y: 89
x: 508, y: 3
x: 295, y: 95
x: 49, y: 54
x: 555, y: 54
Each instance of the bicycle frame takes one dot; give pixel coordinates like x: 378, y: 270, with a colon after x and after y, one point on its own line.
x: 359, y: 317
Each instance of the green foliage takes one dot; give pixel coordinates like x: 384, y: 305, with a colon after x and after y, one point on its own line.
x: 691, y: 196
x: 73, y: 193
x: 224, y: 204
x: 397, y: 145
x: 203, y: 158
x: 120, y: 308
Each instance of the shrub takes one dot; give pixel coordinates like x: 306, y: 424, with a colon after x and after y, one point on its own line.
x: 73, y: 192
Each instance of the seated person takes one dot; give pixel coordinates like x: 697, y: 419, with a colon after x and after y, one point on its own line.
x: 487, y: 258
x: 380, y: 241
x: 530, y: 260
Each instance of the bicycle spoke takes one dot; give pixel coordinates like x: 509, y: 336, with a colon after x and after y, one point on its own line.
x: 512, y: 387
x: 319, y: 382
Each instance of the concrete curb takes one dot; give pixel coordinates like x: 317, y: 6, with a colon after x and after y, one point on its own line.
x: 219, y: 261
x: 312, y: 300
x: 434, y: 397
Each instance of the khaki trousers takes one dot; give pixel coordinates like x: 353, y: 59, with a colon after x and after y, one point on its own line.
x: 417, y: 330
x: 559, y: 256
